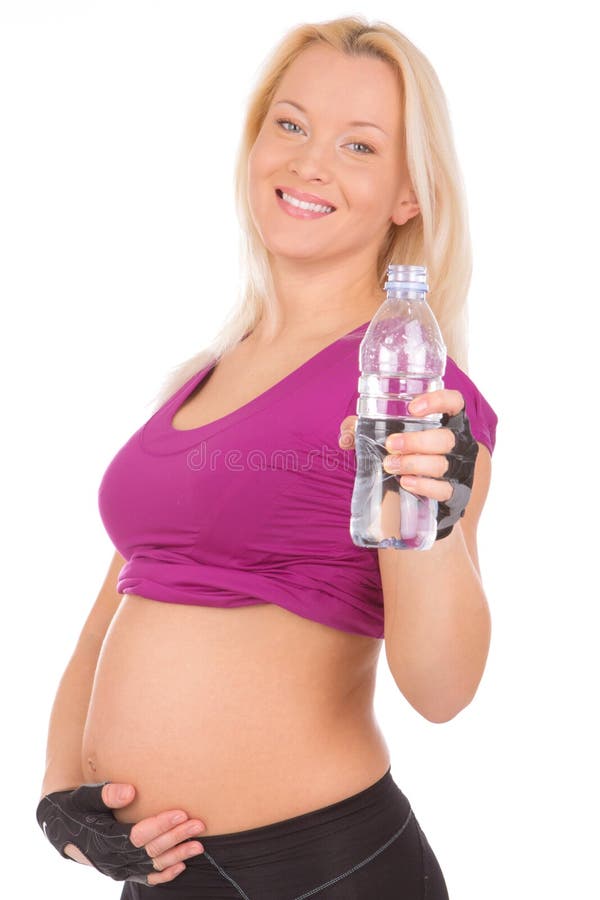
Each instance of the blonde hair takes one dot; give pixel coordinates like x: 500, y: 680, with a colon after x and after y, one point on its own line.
x: 437, y: 237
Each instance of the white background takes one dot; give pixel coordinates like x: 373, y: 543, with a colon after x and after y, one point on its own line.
x: 118, y: 237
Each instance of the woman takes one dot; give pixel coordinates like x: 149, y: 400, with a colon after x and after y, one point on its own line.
x: 227, y: 668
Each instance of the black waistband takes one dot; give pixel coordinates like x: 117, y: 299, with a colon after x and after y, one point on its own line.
x: 382, y: 802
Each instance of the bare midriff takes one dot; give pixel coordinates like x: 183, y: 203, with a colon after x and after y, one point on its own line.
x: 241, y: 717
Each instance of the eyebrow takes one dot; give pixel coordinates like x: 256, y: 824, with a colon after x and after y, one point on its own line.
x: 353, y: 124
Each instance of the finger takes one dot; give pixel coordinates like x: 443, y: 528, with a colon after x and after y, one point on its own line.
x: 159, y: 847
x: 428, y: 440
x: 445, y: 400
x: 99, y: 796
x: 430, y: 465
x: 167, y: 861
x: 167, y: 875
x: 346, y: 436
x: 157, y: 833
x: 75, y: 853
x: 426, y: 487
x: 116, y: 794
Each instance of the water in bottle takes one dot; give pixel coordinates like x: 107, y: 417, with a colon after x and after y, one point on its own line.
x: 402, y: 354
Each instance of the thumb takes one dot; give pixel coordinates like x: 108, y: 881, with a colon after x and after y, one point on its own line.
x: 116, y: 794
x: 347, y: 430
x: 105, y: 795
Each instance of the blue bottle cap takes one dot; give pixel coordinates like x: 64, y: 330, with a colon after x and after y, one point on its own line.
x: 411, y: 278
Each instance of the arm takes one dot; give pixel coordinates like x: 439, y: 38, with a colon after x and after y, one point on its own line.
x: 69, y: 711
x: 109, y: 846
x: 437, y: 620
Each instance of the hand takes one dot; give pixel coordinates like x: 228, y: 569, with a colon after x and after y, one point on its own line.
x: 149, y: 851
x: 435, y: 462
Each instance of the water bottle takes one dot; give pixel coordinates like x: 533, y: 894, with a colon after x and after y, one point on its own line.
x: 402, y: 354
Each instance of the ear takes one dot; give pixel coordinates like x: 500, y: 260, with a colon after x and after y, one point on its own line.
x: 406, y: 206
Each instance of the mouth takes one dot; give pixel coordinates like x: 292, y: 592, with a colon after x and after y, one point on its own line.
x: 303, y: 208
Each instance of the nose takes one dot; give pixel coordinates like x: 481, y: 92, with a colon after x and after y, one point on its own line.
x: 310, y: 163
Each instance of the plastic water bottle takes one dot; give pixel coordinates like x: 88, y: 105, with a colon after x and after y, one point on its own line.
x: 402, y: 354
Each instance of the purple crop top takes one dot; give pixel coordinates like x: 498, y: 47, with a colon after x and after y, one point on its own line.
x: 255, y: 506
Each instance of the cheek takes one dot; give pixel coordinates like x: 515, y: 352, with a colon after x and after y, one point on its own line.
x: 371, y: 195
x: 263, y: 158
x: 371, y: 203
x: 254, y: 178
x: 260, y: 172
x: 254, y: 160
x: 261, y: 165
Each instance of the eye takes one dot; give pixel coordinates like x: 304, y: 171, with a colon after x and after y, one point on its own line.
x: 368, y: 148
x: 283, y: 122
x: 287, y: 122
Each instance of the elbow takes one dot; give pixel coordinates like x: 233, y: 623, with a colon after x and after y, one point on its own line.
x: 440, y: 692
x: 446, y: 713
x: 440, y: 709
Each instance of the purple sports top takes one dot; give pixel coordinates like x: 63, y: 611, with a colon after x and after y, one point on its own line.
x: 255, y: 506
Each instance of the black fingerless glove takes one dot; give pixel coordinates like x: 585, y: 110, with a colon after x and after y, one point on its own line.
x: 461, y: 469
x: 82, y: 818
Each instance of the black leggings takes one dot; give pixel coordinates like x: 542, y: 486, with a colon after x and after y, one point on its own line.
x: 368, y: 846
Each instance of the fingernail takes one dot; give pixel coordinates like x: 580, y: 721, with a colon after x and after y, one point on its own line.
x: 124, y: 793
x: 178, y: 817
x: 394, y: 442
x: 393, y: 463
x: 418, y: 406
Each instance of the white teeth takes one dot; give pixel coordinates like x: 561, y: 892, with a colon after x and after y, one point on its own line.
x: 302, y: 204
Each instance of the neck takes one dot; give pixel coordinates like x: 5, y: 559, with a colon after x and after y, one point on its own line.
x: 316, y: 305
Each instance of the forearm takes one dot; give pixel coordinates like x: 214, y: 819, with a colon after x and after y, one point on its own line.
x: 437, y: 626
x: 67, y: 719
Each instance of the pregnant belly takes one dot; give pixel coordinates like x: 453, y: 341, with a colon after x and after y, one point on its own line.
x: 241, y: 717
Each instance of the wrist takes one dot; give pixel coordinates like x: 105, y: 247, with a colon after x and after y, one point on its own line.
x: 54, y: 784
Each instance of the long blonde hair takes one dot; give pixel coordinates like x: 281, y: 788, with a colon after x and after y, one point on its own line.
x: 437, y: 237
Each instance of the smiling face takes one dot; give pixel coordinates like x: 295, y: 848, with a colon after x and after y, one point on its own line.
x: 314, y: 145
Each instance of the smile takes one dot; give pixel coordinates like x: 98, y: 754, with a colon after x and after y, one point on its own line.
x: 301, y: 208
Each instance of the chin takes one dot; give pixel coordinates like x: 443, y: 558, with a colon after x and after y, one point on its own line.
x: 295, y: 253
